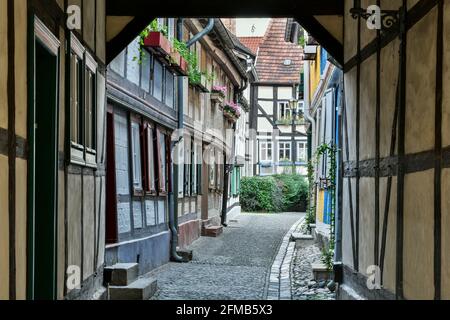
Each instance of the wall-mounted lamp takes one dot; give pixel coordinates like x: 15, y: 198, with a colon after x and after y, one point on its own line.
x: 293, y: 105
x: 376, y: 18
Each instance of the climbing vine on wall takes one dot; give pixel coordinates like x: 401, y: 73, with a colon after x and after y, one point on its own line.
x: 311, y: 215
x: 330, y: 151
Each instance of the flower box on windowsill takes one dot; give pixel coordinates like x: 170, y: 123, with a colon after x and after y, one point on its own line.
x: 232, y: 111
x: 230, y: 116
x: 158, y: 42
x: 217, y: 97
x: 218, y: 94
x: 178, y: 63
x: 203, y: 85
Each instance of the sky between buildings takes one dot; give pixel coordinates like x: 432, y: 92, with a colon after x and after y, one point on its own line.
x: 251, y: 27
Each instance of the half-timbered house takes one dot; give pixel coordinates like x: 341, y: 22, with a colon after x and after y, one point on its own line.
x: 392, y: 224
x: 52, y: 150
x: 152, y: 102
x: 395, y: 128
x: 323, y: 91
x: 281, y: 141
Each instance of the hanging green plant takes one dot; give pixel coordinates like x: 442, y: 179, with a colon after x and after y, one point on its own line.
x: 194, y: 73
x: 330, y: 151
x: 311, y: 215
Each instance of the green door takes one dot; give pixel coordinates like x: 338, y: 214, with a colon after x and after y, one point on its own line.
x: 42, y: 202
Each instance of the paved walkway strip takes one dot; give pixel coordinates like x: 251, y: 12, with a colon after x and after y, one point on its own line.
x: 280, y: 275
x: 234, y: 266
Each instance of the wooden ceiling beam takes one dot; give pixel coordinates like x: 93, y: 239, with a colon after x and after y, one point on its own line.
x: 323, y: 36
x: 208, y: 8
x: 115, y: 46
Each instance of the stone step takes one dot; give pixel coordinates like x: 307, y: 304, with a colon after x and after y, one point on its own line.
x: 121, y: 274
x: 212, y: 231
x: 300, y: 236
x: 321, y: 272
x: 141, y: 289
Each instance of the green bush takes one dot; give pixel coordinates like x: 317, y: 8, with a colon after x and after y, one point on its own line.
x: 279, y: 193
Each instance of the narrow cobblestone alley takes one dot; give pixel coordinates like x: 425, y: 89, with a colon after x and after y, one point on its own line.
x: 234, y: 266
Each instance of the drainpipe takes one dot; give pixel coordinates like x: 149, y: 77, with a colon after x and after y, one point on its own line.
x: 339, y: 176
x: 228, y: 168
x: 202, y: 33
x: 307, y: 106
x: 173, y: 200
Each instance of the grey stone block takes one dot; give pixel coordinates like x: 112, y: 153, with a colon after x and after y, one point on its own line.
x: 121, y: 274
x: 321, y: 273
x: 300, y: 236
x: 142, y: 289
x: 187, y: 255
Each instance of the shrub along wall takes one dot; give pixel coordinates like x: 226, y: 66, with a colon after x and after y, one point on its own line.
x: 279, y: 193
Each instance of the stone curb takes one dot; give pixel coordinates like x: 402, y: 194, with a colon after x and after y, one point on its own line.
x: 280, y: 275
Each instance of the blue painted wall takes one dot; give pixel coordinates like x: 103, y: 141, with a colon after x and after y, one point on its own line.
x: 153, y: 252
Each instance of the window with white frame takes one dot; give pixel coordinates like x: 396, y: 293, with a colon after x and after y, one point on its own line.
x: 136, y: 155
x: 284, y: 151
x: 284, y: 111
x: 162, y: 161
x: 302, y: 152
x: 301, y: 108
x: 170, y: 89
x: 194, y: 188
x: 149, y: 153
x: 187, y: 166
x: 265, y: 151
x: 83, y: 105
x: 158, y: 76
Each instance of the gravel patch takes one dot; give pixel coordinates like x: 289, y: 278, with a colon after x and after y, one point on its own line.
x: 303, y: 285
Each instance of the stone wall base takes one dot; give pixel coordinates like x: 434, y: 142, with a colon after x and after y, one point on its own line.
x: 354, y: 287
x: 188, y: 232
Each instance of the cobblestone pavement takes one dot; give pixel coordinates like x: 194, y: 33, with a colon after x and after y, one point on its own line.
x: 303, y: 285
x: 235, y: 265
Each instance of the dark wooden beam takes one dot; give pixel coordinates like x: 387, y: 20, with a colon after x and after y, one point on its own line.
x: 414, y: 162
x: 401, y: 152
x: 11, y: 92
x: 438, y: 152
x: 207, y: 8
x: 377, y: 149
x: 115, y: 46
x: 322, y: 35
x: 350, y: 190
x: 415, y: 14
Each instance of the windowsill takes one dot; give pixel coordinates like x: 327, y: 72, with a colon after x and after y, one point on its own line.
x: 267, y: 164
x: 82, y: 156
x: 285, y: 164
x: 162, y: 194
x: 151, y: 193
x: 77, y: 154
x: 143, y: 234
x: 289, y: 123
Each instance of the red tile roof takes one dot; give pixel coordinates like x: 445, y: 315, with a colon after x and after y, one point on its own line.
x: 274, y: 51
x: 252, y: 43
